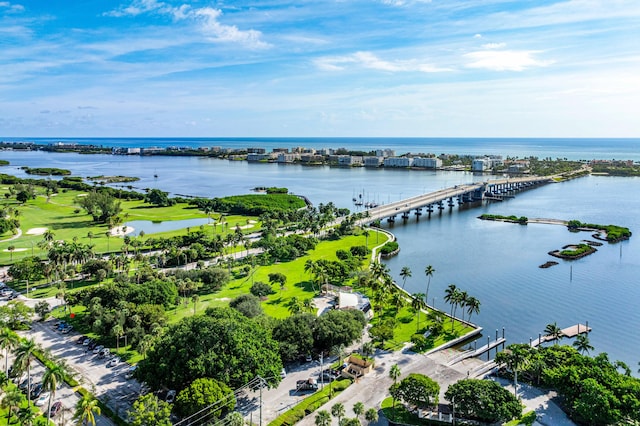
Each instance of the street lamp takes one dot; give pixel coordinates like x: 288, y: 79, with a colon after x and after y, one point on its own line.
x: 453, y: 411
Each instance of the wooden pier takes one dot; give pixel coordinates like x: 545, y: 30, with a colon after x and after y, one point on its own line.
x: 568, y: 332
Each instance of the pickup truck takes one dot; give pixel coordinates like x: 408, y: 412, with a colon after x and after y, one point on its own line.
x: 309, y: 384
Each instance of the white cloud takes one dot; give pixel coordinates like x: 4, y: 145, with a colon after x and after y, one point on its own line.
x: 494, y: 45
x: 477, y: 35
x: 206, y: 18
x: 370, y: 61
x: 11, y: 8
x: 210, y: 25
x: 504, y: 60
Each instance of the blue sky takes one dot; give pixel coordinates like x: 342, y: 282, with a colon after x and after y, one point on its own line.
x: 431, y: 68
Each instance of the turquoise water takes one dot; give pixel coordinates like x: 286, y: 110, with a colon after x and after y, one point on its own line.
x: 495, y: 262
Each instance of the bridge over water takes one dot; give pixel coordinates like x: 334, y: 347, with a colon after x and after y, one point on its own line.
x: 449, y: 197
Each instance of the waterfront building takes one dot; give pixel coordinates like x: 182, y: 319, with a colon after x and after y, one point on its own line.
x: 371, y: 161
x: 254, y: 156
x: 311, y: 158
x: 254, y: 150
x: 280, y: 150
x: 427, y: 163
x: 398, y: 162
x: 284, y: 157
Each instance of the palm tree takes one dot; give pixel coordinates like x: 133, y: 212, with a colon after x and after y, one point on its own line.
x: 554, y: 331
x: 295, y: 305
x: 308, y: 305
x: 8, y: 340
x: 405, y: 273
x: 337, y: 410
x: 117, y: 331
x: 473, y: 306
x: 371, y: 416
x: 515, y: 358
x: 582, y: 344
x: 418, y: 304
x: 145, y: 344
x: 86, y: 409
x: 323, y: 418
x: 358, y: 409
x: 54, y: 374
x: 12, y: 399
x: 394, y: 373
x: 24, y: 355
x: 452, y: 296
x: 195, y: 299
x: 26, y: 416
x: 428, y: 271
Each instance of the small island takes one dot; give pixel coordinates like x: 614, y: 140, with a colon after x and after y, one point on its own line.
x: 112, y: 179
x: 46, y: 171
x: 522, y: 220
x: 573, y: 251
x: 610, y: 233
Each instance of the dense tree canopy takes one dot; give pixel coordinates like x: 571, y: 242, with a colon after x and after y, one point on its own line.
x: 158, y: 198
x: 337, y: 328
x: 202, y: 393
x: 295, y: 335
x: 483, y: 400
x: 223, y: 345
x: 417, y: 390
x: 100, y: 205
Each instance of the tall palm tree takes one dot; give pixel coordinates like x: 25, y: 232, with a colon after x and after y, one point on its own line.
x: 473, y: 306
x: 53, y: 375
x: 86, y: 409
x: 428, y: 271
x: 338, y: 410
x: 195, y: 299
x: 451, y: 296
x: 358, y: 409
x: 117, y: 331
x: 8, y: 340
x: 11, y: 400
x: 554, y: 331
x: 405, y: 273
x: 24, y: 356
x: 582, y: 344
x: 418, y: 304
x: 515, y: 357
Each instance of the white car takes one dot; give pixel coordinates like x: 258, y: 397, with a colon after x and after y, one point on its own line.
x: 43, y: 399
x: 113, y: 362
x: 97, y: 349
x: 171, y: 396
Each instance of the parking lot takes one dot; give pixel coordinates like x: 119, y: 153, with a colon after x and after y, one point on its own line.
x: 107, y: 383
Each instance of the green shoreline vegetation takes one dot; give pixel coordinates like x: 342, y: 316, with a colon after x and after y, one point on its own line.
x: 46, y: 171
x: 522, y: 220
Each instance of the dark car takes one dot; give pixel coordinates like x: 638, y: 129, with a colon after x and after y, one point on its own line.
x: 55, y: 408
x: 36, y: 390
x: 80, y: 340
x: 92, y: 345
x: 23, y: 386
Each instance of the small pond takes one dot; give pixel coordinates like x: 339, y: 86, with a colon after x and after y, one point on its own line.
x: 150, y: 227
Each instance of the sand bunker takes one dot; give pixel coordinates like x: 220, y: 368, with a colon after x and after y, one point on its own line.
x: 119, y: 231
x: 36, y: 231
x: 16, y: 249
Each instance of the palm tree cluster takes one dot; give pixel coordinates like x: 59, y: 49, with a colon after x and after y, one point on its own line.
x: 458, y: 298
x: 55, y: 373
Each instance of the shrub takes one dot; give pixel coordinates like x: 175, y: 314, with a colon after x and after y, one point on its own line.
x: 261, y: 289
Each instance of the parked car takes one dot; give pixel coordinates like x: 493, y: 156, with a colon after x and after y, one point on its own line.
x: 67, y: 329
x: 92, y: 345
x: 97, y: 349
x: 171, y: 396
x: 283, y: 373
x: 56, y: 407
x: 36, y: 390
x: 113, y: 362
x: 87, y: 342
x: 81, y: 340
x: 42, y: 400
x: 23, y: 385
x: 104, y: 353
x: 129, y: 374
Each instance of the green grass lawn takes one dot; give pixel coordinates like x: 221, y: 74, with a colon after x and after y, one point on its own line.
x: 58, y: 214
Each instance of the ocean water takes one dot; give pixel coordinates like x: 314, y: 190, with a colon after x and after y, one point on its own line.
x: 495, y: 262
x: 573, y: 149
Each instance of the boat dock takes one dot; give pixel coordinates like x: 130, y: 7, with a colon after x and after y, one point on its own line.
x: 472, y: 353
x: 568, y: 332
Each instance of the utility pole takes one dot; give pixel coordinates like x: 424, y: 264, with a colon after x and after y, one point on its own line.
x: 321, y: 374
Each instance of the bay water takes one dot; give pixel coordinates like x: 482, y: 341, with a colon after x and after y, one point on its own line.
x: 493, y: 261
